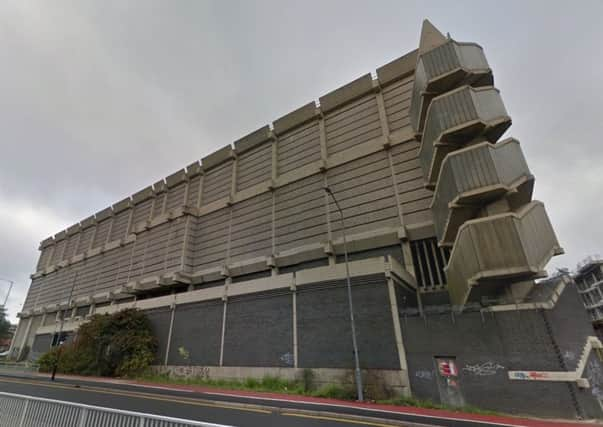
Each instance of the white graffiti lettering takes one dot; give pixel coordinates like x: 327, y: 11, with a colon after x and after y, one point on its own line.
x: 424, y: 375
x: 483, y: 369
x: 569, y: 355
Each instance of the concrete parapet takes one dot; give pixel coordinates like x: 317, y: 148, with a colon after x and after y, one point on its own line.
x: 295, y: 118
x: 122, y: 205
x: 176, y: 178
x: 217, y: 157
x: 142, y: 195
x: 104, y: 214
x: 398, y: 68
x: 252, y: 140
x: 346, y: 93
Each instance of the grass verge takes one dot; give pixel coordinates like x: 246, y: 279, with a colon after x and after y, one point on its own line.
x: 299, y: 387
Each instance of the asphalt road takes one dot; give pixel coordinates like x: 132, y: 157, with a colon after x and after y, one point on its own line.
x: 230, y: 410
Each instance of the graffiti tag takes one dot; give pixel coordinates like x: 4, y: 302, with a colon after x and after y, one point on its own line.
x: 287, y: 359
x: 569, y: 355
x: 424, y: 375
x: 528, y: 375
x: 595, y: 378
x: 483, y: 369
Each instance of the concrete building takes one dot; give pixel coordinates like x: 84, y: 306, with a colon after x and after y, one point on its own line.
x: 589, y: 281
x: 238, y: 258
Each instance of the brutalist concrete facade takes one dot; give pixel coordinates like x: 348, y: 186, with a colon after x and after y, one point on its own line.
x: 237, y: 259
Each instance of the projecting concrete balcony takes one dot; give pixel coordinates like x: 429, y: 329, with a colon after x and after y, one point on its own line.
x: 492, y: 252
x: 444, y: 68
x: 457, y: 118
x: 475, y: 176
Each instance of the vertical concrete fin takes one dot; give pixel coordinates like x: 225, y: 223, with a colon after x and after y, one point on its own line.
x: 431, y: 37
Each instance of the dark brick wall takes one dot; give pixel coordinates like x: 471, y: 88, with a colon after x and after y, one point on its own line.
x: 259, y: 330
x: 198, y: 329
x: 323, y: 325
x: 588, y: 398
x: 487, y: 347
x: 570, y: 325
x: 160, y: 323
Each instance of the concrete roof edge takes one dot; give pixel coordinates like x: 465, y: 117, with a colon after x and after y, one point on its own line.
x: 295, y: 118
x: 176, y: 178
x: 398, y: 68
x: 252, y: 139
x: 356, y: 88
x: 217, y: 157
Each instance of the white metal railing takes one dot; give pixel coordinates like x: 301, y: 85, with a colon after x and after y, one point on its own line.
x: 18, y: 410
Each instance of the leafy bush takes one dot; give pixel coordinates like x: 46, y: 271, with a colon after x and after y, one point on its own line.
x: 119, y: 344
x: 335, y: 391
x: 308, y: 380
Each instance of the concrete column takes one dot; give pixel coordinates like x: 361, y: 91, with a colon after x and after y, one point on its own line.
x: 130, y: 218
x: 77, y: 243
x: 49, y: 260
x: 166, y: 247
x: 94, y: 233
x: 25, y: 336
x: 169, y: 338
x: 395, y: 185
x: 398, y: 333
x: 223, y: 332
x: 186, y: 242
x: 200, y: 195
x: 131, y: 259
x: 229, y: 240
x: 187, y: 185
x: 144, y: 255
x: 295, y: 348
x: 274, y: 173
x: 323, y: 138
x: 14, y: 340
x: 233, y: 184
x: 108, y: 239
x: 382, y: 114
x: 64, y: 249
x: 273, y: 267
x: 404, y: 242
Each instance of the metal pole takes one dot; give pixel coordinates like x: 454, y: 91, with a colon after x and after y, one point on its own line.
x: 349, y: 286
x: 56, y: 363
x: 10, y: 287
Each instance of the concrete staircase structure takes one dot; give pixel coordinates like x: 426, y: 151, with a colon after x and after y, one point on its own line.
x: 482, y: 206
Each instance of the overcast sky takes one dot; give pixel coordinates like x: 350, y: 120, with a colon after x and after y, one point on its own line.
x: 100, y: 99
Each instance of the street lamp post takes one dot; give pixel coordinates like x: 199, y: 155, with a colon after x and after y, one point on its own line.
x: 10, y: 288
x: 350, y: 304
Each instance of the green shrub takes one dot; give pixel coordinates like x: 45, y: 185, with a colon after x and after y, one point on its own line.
x: 119, y: 344
x: 335, y: 391
x: 308, y: 380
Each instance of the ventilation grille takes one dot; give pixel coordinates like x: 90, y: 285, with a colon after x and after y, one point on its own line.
x: 429, y: 261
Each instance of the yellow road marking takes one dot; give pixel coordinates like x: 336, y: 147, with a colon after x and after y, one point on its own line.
x: 185, y: 401
x: 340, y: 420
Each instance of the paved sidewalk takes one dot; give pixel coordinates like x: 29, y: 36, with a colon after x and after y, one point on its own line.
x: 372, y: 409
